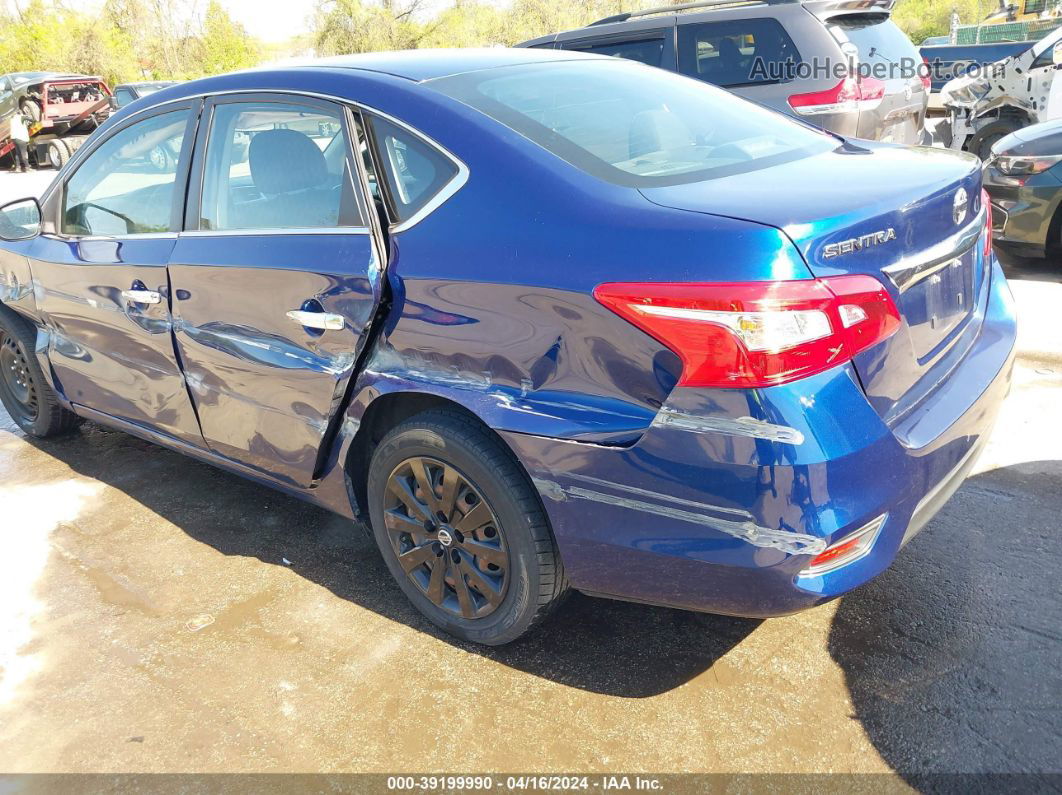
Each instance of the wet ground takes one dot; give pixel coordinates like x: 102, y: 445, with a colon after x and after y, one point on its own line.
x: 157, y: 614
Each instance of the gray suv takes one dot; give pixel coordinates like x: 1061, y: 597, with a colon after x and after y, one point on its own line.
x: 840, y: 64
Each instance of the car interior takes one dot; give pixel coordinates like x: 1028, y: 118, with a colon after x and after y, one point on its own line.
x: 285, y: 168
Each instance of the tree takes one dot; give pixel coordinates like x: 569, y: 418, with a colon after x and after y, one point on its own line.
x: 347, y: 26
x: 225, y: 45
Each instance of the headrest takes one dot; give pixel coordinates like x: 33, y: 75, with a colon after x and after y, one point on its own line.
x: 285, y: 160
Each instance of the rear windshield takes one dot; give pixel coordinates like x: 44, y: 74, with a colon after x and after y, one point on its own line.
x: 878, y: 41
x: 632, y: 124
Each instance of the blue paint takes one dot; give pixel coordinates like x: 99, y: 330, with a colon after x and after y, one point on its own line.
x: 487, y: 303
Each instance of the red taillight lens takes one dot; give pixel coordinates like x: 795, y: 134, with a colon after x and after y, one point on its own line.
x: 752, y: 334
x: 842, y: 96
x: 987, y: 202
x: 847, y: 95
x: 927, y: 81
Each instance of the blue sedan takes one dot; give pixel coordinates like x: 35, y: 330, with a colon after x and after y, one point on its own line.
x: 546, y: 321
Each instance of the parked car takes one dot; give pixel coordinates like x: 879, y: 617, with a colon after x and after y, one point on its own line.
x: 27, y: 92
x: 547, y: 320
x: 758, y: 49
x: 163, y: 156
x: 125, y: 93
x: 1023, y: 178
x: 1013, y: 93
x: 947, y: 61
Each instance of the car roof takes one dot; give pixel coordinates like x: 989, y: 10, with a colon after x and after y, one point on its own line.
x: 693, y: 13
x: 420, y: 65
x: 149, y: 83
x: 668, y: 19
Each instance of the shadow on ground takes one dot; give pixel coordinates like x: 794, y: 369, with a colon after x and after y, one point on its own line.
x: 1037, y: 269
x: 953, y: 656
x: 614, y: 648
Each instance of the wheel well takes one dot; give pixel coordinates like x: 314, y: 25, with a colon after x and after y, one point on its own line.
x: 383, y: 414
x: 1005, y: 113
x: 1054, y: 232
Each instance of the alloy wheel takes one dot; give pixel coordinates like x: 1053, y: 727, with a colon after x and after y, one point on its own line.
x: 446, y: 537
x: 16, y: 376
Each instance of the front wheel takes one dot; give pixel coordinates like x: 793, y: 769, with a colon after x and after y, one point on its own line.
x: 462, y: 529
x: 25, y: 393
x: 31, y: 109
x: 981, y: 142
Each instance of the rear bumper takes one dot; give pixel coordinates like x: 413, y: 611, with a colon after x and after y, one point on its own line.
x: 714, y: 511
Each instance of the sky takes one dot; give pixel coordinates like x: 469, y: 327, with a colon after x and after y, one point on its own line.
x: 272, y: 20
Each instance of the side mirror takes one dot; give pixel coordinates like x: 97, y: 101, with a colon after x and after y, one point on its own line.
x: 112, y: 102
x: 1056, y: 54
x: 20, y: 219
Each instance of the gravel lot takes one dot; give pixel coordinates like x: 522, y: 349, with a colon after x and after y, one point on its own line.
x: 157, y: 614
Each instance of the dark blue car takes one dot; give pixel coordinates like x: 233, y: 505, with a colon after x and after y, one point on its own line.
x: 545, y: 320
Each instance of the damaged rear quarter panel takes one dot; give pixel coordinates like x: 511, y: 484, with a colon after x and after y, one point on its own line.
x: 492, y: 293
x: 755, y: 508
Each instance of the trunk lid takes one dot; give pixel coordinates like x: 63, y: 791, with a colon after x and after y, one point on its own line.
x: 888, y: 212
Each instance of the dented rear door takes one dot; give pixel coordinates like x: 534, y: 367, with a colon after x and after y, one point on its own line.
x: 277, y: 283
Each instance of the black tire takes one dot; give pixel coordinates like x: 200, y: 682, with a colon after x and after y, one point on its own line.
x: 531, y: 582
x: 980, y: 142
x: 24, y: 391
x: 58, y: 154
x: 31, y: 109
x: 74, y: 142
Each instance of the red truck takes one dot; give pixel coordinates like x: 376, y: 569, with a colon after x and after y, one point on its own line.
x: 64, y: 110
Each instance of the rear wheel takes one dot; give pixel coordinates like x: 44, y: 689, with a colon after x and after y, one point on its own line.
x: 25, y: 393
x: 462, y: 529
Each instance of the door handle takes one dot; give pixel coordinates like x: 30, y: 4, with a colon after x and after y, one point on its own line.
x: 320, y: 320
x: 142, y: 296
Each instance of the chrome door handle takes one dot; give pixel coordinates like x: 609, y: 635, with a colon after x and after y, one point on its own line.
x: 321, y: 320
x: 142, y: 296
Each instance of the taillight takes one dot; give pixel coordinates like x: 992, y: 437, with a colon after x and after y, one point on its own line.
x: 927, y: 81
x: 848, y: 95
x: 987, y: 203
x: 871, y: 90
x: 753, y: 334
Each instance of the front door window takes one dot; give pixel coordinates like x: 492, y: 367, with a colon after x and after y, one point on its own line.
x: 127, y: 185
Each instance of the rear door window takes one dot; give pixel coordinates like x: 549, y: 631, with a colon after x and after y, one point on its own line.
x: 277, y: 165
x: 737, y: 52
x: 645, y: 49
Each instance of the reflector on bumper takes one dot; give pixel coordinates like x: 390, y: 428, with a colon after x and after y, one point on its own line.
x: 847, y: 550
